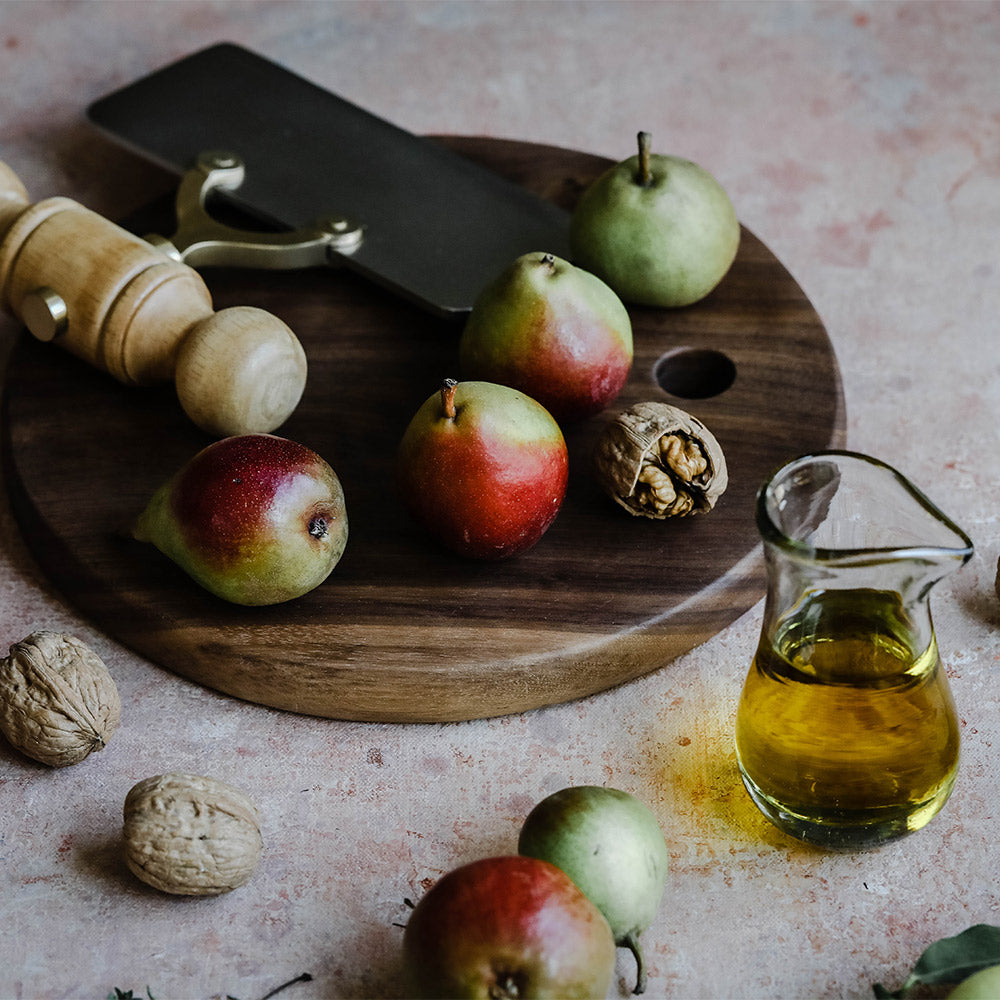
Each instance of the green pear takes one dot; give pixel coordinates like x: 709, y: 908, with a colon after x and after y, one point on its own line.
x: 554, y: 331
x: 255, y: 519
x: 611, y: 845
x: 981, y: 985
x: 660, y: 230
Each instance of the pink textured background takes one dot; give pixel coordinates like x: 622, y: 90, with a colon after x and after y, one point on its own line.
x: 861, y: 142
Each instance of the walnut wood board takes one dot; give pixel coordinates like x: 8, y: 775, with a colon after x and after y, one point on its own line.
x: 402, y: 630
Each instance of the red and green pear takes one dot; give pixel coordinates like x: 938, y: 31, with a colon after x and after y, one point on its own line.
x: 255, y: 519
x: 505, y: 928
x: 552, y: 330
x: 483, y: 469
x: 659, y: 229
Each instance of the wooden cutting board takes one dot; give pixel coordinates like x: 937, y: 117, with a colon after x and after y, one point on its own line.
x: 402, y: 630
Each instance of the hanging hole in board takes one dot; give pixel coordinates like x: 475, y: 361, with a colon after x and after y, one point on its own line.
x: 694, y: 372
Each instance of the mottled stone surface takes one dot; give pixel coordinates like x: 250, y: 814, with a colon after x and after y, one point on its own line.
x: 861, y: 142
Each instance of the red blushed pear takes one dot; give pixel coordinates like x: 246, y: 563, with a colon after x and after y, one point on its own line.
x: 483, y: 468
x: 554, y: 331
x: 508, y: 927
x: 255, y: 519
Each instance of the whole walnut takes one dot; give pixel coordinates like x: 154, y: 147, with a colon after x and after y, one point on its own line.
x: 58, y: 703
x: 190, y: 835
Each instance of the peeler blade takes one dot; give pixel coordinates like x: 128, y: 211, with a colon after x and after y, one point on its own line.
x: 437, y: 227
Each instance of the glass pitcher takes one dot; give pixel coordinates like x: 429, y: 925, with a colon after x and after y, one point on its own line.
x: 846, y: 732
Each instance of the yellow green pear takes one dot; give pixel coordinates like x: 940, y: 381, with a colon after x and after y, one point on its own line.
x: 660, y: 230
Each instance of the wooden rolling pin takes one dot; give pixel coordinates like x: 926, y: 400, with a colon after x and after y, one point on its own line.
x: 126, y: 307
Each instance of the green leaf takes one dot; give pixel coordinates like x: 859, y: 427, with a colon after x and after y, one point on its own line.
x: 950, y: 960
x: 953, y: 959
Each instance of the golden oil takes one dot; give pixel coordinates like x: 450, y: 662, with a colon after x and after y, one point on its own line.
x: 847, y: 734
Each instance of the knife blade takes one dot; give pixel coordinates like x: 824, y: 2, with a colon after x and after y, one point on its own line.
x: 436, y: 226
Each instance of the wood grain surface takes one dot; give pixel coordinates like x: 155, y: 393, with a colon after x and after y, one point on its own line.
x: 402, y: 630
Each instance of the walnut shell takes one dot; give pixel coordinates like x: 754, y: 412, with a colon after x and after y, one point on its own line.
x: 658, y: 461
x: 58, y: 703
x: 190, y: 835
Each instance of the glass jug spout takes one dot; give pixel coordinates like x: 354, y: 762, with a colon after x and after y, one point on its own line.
x: 849, y: 516
x: 846, y: 732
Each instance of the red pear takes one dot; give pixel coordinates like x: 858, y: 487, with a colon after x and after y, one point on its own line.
x: 554, y: 331
x: 255, y: 519
x: 508, y: 927
x: 483, y: 468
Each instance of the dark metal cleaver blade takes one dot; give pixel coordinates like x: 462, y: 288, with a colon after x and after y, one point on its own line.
x: 437, y: 227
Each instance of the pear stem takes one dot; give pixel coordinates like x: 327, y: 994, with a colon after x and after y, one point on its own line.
x: 631, y: 941
x: 448, y: 388
x: 643, y: 176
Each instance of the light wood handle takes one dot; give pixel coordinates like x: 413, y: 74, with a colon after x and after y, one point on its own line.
x: 240, y: 368
x: 13, y: 198
x: 125, y: 307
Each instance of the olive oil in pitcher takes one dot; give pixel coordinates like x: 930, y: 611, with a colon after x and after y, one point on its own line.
x: 846, y: 732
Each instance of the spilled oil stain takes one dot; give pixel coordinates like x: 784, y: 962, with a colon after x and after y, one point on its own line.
x: 705, y: 808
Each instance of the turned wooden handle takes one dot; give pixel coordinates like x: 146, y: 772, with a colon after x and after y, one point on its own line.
x: 122, y: 305
x: 13, y: 197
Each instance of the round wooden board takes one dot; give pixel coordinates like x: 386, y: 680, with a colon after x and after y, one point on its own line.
x: 403, y: 631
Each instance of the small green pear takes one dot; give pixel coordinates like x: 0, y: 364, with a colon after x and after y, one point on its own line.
x: 611, y: 845
x: 981, y: 985
x: 660, y: 230
x: 255, y: 519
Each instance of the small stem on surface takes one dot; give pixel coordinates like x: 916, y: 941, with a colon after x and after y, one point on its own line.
x: 643, y: 175
x: 631, y: 941
x: 448, y: 388
x: 304, y: 978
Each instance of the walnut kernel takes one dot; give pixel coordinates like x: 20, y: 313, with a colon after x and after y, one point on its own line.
x: 190, y: 835
x: 58, y: 702
x: 658, y: 461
